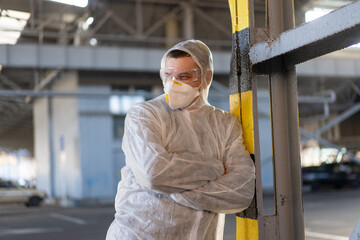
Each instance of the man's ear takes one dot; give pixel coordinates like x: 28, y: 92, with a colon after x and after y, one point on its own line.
x: 208, y: 77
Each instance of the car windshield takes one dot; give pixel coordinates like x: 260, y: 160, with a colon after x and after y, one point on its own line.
x: 8, y: 184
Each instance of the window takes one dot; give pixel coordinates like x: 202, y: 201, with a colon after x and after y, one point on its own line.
x: 118, y: 127
x: 120, y: 104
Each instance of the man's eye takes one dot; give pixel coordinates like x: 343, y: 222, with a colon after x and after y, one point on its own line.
x: 183, y: 76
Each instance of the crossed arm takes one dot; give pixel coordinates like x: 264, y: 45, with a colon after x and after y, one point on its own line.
x: 193, y: 180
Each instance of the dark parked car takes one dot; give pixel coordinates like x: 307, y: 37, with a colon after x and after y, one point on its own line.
x: 338, y: 175
x: 11, y: 192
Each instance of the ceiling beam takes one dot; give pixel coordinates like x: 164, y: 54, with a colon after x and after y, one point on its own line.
x: 8, y: 82
x: 337, y: 30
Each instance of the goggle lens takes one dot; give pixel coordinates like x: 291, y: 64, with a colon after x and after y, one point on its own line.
x: 185, y: 75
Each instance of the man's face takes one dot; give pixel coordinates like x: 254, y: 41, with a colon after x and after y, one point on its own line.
x: 183, y: 63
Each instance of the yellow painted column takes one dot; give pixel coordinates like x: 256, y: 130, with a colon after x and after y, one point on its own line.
x: 241, y: 104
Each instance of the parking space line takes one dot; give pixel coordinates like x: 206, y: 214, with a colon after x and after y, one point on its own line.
x: 24, y: 231
x: 325, y: 236
x: 67, y: 218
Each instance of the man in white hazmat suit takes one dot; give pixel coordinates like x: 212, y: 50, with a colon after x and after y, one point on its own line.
x: 186, y: 164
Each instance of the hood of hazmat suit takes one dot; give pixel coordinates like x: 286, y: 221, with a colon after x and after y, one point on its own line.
x: 184, y: 168
x: 202, y: 56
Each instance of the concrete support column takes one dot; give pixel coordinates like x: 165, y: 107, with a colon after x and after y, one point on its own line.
x: 188, y: 24
x: 172, y: 31
x: 42, y: 145
x: 56, y: 131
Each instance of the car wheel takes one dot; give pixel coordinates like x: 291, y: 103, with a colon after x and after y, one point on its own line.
x: 33, y: 202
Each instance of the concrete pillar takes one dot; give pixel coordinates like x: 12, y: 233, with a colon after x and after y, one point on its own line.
x: 172, y: 31
x: 55, y: 134
x: 41, y: 145
x: 188, y: 24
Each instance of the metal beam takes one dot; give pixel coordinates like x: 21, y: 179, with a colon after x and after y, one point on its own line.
x: 92, y: 58
x: 332, y: 32
x: 212, y: 21
x: 206, y: 4
x: 8, y: 82
x: 356, y: 88
x: 122, y: 23
x: 138, y: 59
x: 45, y: 82
x: 53, y: 17
x: 139, y: 17
x: 46, y: 93
x: 345, y: 115
x: 61, y: 94
x: 99, y: 24
x: 48, y: 79
x: 162, y: 20
x: 289, y: 223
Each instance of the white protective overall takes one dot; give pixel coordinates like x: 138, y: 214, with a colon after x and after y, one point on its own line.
x: 173, y: 185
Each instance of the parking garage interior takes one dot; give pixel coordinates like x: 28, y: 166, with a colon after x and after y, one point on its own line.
x: 70, y: 71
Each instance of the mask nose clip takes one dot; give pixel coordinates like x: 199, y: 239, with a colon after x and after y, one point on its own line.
x: 176, y: 82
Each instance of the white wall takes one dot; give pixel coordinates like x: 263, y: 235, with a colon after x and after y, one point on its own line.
x: 96, y: 144
x: 41, y: 144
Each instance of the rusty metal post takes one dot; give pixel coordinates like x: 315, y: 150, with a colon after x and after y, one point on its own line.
x: 285, y: 131
x: 243, y: 104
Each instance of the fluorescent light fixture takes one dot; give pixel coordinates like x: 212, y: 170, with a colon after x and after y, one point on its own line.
x: 17, y: 14
x: 9, y: 37
x: 11, y: 24
x: 77, y: 3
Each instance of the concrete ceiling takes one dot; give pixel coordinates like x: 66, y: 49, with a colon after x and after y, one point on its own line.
x: 146, y: 23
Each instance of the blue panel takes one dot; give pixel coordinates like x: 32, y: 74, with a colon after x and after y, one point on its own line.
x: 80, y: 57
x: 23, y: 56
x: 107, y: 58
x: 3, y: 55
x: 52, y: 56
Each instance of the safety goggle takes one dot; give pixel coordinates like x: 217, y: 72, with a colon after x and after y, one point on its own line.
x: 186, y: 75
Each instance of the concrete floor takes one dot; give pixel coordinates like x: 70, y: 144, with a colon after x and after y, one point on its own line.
x: 329, y: 215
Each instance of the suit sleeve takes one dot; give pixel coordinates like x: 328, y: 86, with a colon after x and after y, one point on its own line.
x: 154, y: 167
